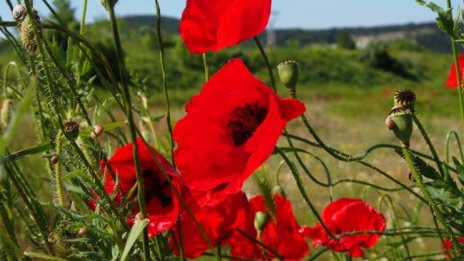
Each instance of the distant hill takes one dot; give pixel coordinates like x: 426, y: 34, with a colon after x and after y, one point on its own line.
x: 424, y: 34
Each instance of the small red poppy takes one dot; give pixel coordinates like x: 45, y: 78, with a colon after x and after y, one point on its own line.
x: 210, y: 25
x: 447, y: 246
x: 280, y: 233
x: 162, y: 205
x: 230, y: 129
x: 217, y: 221
x: 343, y: 216
x: 452, y: 81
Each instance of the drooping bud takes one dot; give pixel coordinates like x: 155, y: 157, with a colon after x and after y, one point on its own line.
x: 288, y: 73
x: 402, y: 119
x: 54, y: 159
x: 97, y: 132
x: 405, y: 98
x: 27, y: 31
x: 72, y: 128
x: 260, y: 222
x: 111, y: 2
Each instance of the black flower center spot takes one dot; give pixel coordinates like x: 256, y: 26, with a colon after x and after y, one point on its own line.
x: 244, y: 121
x: 156, y: 187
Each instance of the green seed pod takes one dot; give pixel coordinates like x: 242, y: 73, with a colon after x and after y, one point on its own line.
x: 288, y: 73
x: 5, y: 113
x: 403, y: 124
x: 111, y: 2
x: 27, y: 32
x: 405, y: 98
x: 72, y: 128
x: 261, y: 219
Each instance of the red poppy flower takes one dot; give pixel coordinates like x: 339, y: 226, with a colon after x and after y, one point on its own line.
x: 218, y: 222
x: 161, y: 203
x: 452, y: 81
x: 281, y: 233
x: 447, y: 246
x: 343, y: 216
x: 210, y: 25
x: 230, y: 129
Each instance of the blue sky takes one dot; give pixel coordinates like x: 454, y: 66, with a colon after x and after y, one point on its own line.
x: 291, y: 13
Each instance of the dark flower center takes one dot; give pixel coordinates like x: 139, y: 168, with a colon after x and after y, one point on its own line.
x: 156, y: 188
x: 244, y: 121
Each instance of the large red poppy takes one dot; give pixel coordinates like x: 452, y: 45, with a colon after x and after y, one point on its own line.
x: 230, y: 129
x: 210, y: 25
x: 343, y: 216
x: 447, y: 246
x: 452, y: 81
x: 162, y: 205
x: 281, y: 233
x: 218, y: 223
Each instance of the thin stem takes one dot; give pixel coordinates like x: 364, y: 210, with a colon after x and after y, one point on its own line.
x: 268, y: 64
x: 441, y: 218
x: 130, y: 119
x: 458, y: 72
x: 58, y: 171
x: 429, y: 143
x: 261, y: 244
x: 447, y: 145
x: 165, y: 82
x: 205, y: 66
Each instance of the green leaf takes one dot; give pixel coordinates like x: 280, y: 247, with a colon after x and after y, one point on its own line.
x: 135, y: 232
x: 459, y: 169
x: 42, y: 256
x: 423, y: 167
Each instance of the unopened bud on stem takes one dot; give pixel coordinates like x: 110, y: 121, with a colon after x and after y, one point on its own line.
x: 261, y: 219
x: 288, y: 74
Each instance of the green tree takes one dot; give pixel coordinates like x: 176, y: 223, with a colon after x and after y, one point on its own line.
x: 345, y: 41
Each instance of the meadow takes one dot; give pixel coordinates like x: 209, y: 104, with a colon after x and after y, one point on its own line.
x: 58, y: 201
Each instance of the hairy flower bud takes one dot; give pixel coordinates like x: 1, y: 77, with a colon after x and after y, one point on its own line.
x: 402, y: 119
x: 288, y: 73
x: 19, y: 12
x: 5, y: 113
x: 82, y: 231
x: 261, y: 219
x: 27, y: 31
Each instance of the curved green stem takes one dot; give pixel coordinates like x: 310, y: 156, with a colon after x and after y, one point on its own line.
x: 205, y: 66
x: 300, y: 186
x: 268, y: 64
x: 447, y: 145
x: 436, y: 211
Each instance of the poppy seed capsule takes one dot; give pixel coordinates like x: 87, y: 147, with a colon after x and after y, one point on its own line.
x: 288, y: 73
x: 405, y: 98
x: 72, y: 128
x: 97, y: 132
x: 402, y: 118
x: 390, y: 123
x: 260, y: 222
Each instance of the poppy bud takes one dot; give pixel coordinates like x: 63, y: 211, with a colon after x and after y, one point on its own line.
x: 97, y: 132
x: 72, y: 128
x: 111, y: 2
x: 261, y: 219
x: 402, y: 118
x: 5, y: 113
x: 405, y: 98
x: 82, y: 231
x: 54, y: 159
x: 288, y: 73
